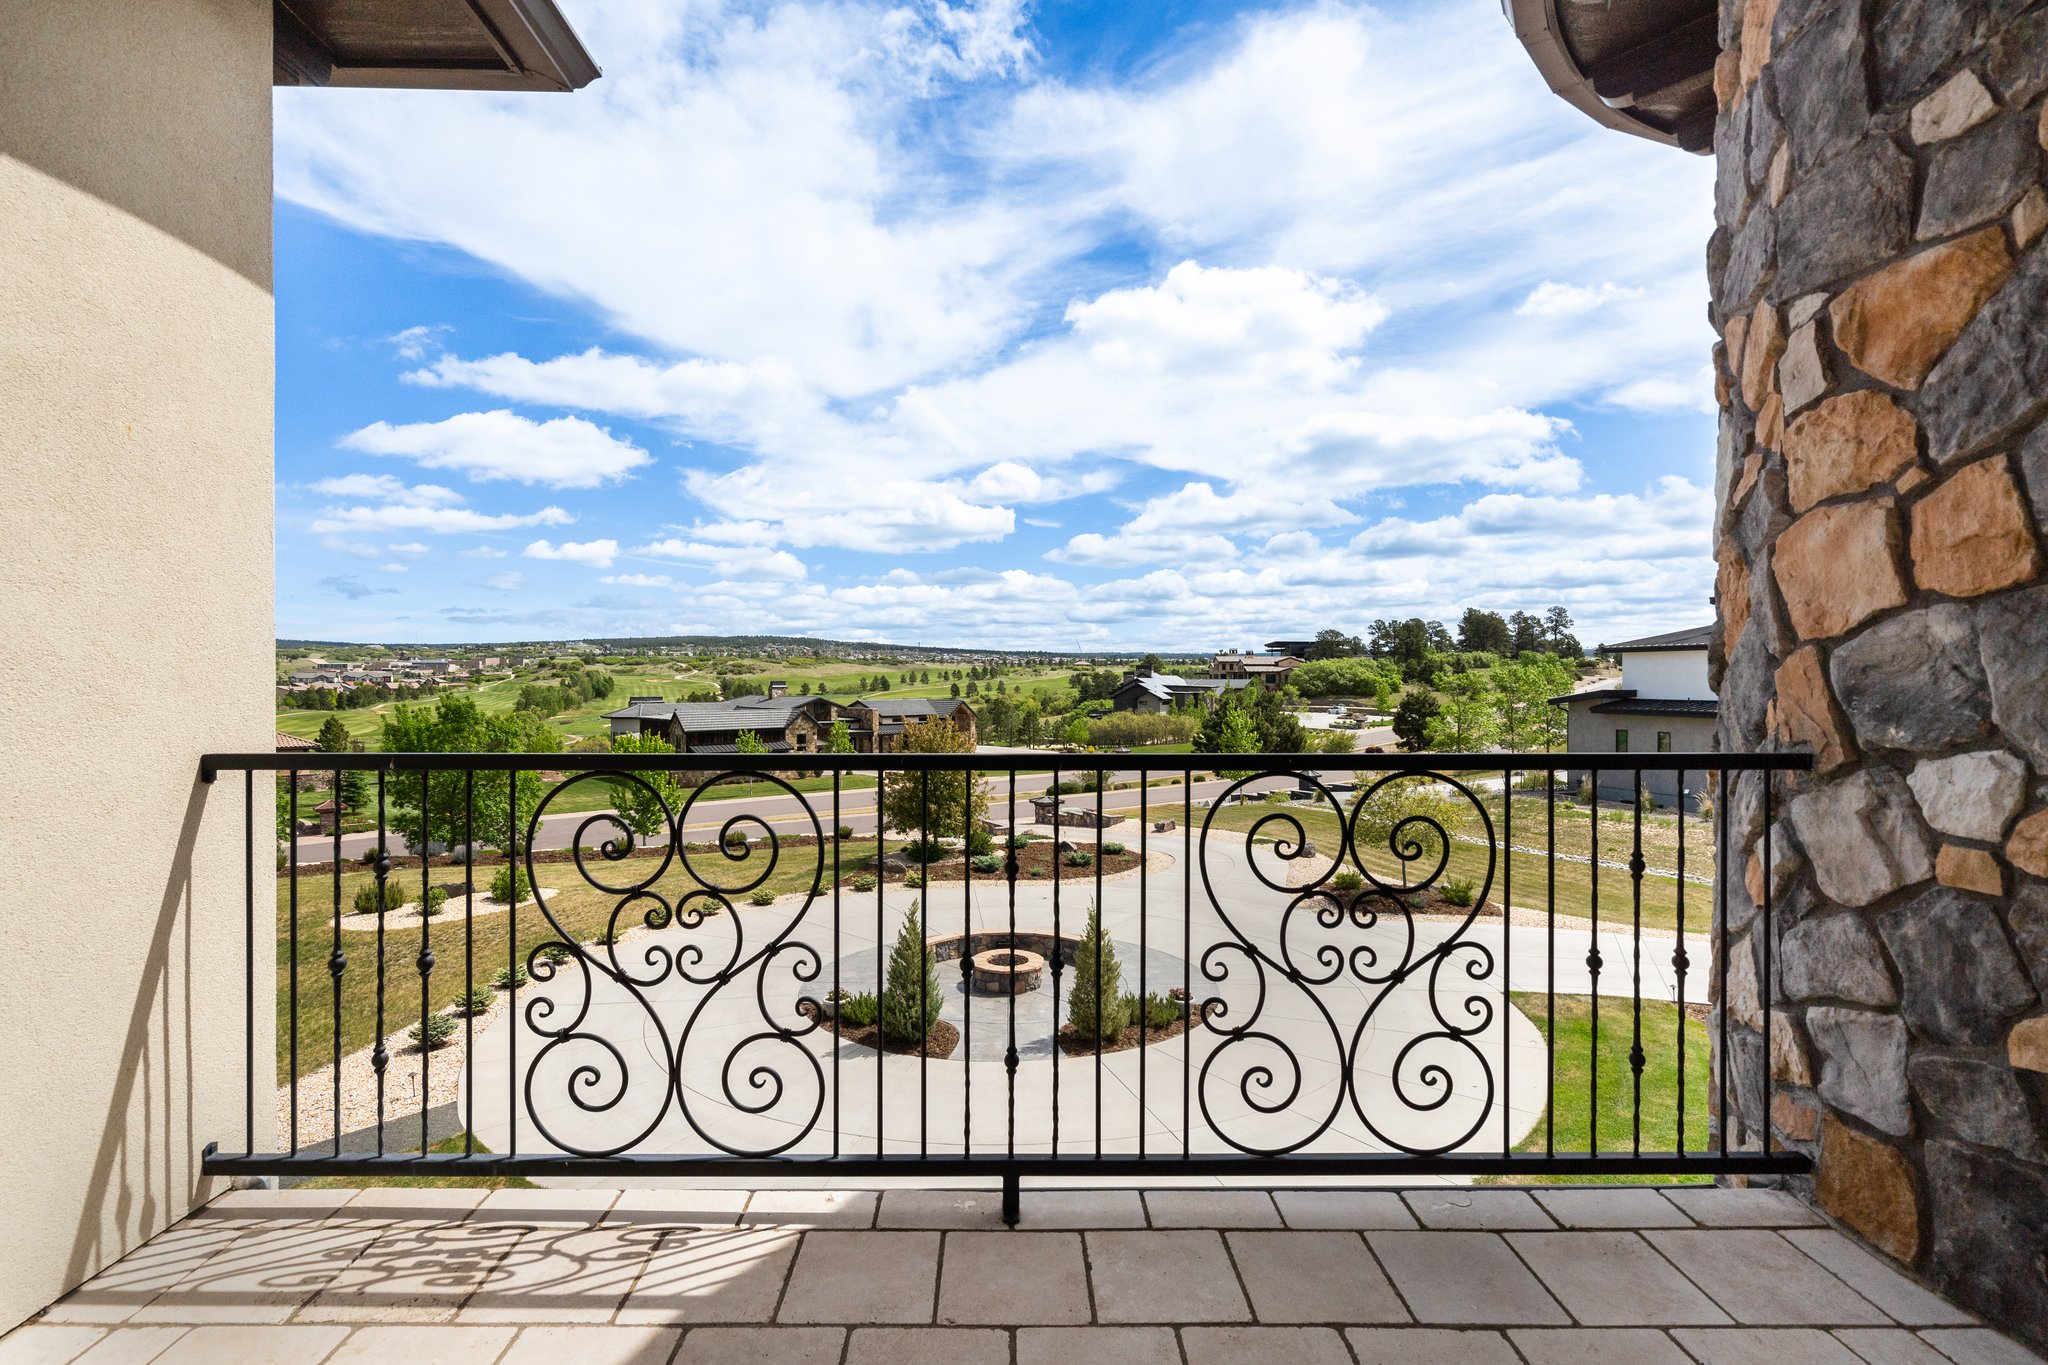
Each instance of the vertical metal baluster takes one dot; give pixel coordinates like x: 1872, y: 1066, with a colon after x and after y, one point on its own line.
x: 1635, y: 1052
x: 469, y: 959
x: 1678, y: 965
x: 966, y: 966
x: 380, y: 1056
x: 1144, y: 914
x: 1507, y: 938
x: 1189, y: 1014
x: 1550, y: 967
x: 924, y: 1049
x: 337, y: 963
x: 1721, y: 947
x: 1101, y: 940
x: 512, y: 861
x: 881, y: 954
x: 249, y: 960
x: 1010, y: 1055
x: 1764, y: 976
x: 1058, y: 966
x: 1593, y: 966
x: 837, y: 999
x: 292, y: 891
x: 426, y: 963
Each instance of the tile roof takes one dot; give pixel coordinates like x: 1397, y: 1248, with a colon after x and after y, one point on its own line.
x: 1698, y: 637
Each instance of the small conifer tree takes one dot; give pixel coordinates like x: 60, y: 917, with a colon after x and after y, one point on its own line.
x: 910, y: 994
x: 1097, y: 1009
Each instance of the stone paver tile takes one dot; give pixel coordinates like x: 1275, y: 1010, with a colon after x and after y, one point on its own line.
x: 413, y: 1274
x: 975, y: 1209
x: 253, y: 1344
x: 1067, y: 1210
x: 1211, y: 1209
x: 1762, y: 1279
x: 544, y: 1206
x: 1717, y: 1208
x: 1171, y: 1277
x: 1429, y: 1346
x: 712, y: 1275
x: 1464, y: 1277
x: 1979, y: 1346
x: 1763, y: 1346
x: 263, y: 1275
x: 856, y: 1277
x: 1097, y: 1346
x: 131, y: 1345
x: 1234, y: 1345
x: 1313, y: 1277
x: 298, y: 1203
x: 812, y: 1208
x: 1477, y: 1210
x: 563, y: 1273
x: 1344, y: 1210
x: 928, y: 1346
x: 118, y: 1291
x: 1614, y: 1279
x: 1009, y: 1279
x: 762, y: 1346
x: 440, y: 1345
x: 1597, y: 1346
x: 1899, y: 1296
x: 1889, y: 1346
x: 592, y: 1346
x: 683, y: 1208
x: 387, y: 1202
x: 1613, y: 1208
x: 44, y: 1344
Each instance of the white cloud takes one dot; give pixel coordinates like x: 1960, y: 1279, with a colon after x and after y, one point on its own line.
x: 565, y: 452
x: 639, y: 580
x: 730, y: 561
x: 483, y: 552
x: 434, y: 520
x: 598, y: 554
x: 410, y: 547
x: 413, y: 343
x: 384, y: 488
x: 509, y: 580
x: 1553, y: 300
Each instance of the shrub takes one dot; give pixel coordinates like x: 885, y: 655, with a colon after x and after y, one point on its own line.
x: 1112, y: 848
x: 508, y: 977
x: 1348, y: 881
x: 1158, y: 1011
x: 923, y: 851
x: 553, y: 952
x: 862, y: 883
x: 914, y: 880
x: 844, y: 831
x: 860, y: 1011
x: 510, y: 881
x: 1079, y: 857
x: 439, y: 1032
x: 366, y: 898
x: 980, y: 842
x: 762, y: 897
x: 1019, y: 840
x: 437, y: 897
x: 988, y: 862
x: 1646, y: 802
x: 1097, y: 1009
x: 911, y: 995
x: 476, y: 1001
x: 1459, y: 890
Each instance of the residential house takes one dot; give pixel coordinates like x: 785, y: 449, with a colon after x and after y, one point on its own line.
x: 1663, y: 705
x: 877, y: 722
x: 1269, y: 671
x: 1298, y: 648
x: 783, y: 724
x: 1155, y: 694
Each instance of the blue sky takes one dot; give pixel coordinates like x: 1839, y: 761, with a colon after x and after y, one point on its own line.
x: 1052, y: 325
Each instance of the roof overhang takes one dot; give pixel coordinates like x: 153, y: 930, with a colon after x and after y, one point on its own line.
x: 1644, y: 67
x: 427, y: 45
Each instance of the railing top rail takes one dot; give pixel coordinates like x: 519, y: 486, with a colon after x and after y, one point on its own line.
x: 212, y: 765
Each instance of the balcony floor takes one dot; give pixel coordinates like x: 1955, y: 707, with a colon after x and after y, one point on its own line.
x: 790, y: 1277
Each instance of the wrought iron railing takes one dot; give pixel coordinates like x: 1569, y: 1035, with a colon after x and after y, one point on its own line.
x: 1342, y: 965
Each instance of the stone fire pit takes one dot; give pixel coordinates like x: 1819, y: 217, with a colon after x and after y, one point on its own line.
x: 1007, y: 971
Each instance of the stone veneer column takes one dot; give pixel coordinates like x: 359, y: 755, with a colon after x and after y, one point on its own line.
x: 1882, y: 293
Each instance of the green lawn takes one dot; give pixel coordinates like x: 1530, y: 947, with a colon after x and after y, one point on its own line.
x: 448, y: 1146
x: 1572, y: 1107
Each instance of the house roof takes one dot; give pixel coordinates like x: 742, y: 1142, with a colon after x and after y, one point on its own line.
x: 1696, y: 637
x: 293, y: 744
x: 743, y: 713
x: 1655, y: 706
x: 1165, y: 685
x: 912, y: 706
x: 773, y: 746
x: 1639, y: 66
x: 427, y: 44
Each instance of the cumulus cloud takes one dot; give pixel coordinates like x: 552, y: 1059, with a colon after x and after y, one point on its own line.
x: 639, y: 580
x: 730, y: 561
x: 598, y: 554
x: 1553, y: 300
x: 353, y: 588
x: 563, y: 452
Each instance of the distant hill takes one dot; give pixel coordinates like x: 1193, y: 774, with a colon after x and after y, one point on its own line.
x: 769, y: 645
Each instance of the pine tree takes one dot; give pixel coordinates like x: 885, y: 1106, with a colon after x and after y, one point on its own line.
x: 1097, y: 1008
x: 910, y: 992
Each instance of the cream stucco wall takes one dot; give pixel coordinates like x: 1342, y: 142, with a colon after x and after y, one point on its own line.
x: 136, y: 572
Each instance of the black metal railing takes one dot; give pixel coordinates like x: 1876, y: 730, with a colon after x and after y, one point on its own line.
x: 1344, y: 965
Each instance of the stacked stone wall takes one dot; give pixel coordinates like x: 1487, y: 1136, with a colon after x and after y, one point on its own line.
x: 1881, y: 291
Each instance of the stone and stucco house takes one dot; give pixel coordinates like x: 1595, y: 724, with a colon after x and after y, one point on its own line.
x: 784, y: 724
x: 1158, y: 693
x: 1269, y: 671
x: 877, y: 722
x: 1663, y: 705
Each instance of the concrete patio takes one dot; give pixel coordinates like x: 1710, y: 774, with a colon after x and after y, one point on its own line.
x: 778, y: 1277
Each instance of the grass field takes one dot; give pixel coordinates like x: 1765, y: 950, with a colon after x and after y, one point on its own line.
x: 1574, y: 1114
x: 448, y: 1146
x: 587, y: 722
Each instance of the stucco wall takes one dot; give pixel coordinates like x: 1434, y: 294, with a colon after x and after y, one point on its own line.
x: 1590, y: 732
x: 1667, y: 674
x: 135, y: 550
x: 1881, y: 284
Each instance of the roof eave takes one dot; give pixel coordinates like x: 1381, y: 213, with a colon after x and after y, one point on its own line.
x: 1537, y: 27
x: 524, y: 45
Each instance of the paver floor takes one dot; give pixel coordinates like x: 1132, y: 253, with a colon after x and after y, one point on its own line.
x: 813, y: 1277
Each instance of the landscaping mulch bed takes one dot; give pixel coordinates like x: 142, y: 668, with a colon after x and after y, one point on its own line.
x: 1035, y: 862
x: 540, y: 857
x: 939, y: 1043
x: 1074, y: 1045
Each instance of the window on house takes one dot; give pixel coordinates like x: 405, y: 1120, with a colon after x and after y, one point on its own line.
x: 1663, y: 741
x: 1621, y: 741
